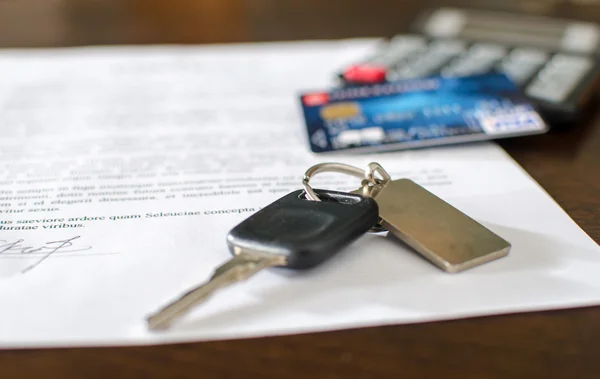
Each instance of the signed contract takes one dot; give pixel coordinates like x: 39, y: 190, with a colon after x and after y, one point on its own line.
x: 122, y: 170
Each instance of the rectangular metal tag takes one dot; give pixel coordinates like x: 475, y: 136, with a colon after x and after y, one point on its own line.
x: 441, y: 233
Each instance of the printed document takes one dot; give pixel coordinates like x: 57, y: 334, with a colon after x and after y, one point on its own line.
x: 123, y: 168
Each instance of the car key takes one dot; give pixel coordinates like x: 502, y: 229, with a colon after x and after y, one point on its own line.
x: 292, y: 232
x: 441, y: 233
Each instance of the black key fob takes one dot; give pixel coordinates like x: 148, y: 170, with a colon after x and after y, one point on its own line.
x: 306, y: 232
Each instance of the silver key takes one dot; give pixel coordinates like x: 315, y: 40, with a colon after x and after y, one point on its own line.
x: 241, y: 267
x: 291, y: 232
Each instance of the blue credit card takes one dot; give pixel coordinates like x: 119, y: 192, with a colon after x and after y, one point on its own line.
x: 418, y: 112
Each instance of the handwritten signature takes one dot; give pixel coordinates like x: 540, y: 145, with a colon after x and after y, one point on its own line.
x: 44, y: 251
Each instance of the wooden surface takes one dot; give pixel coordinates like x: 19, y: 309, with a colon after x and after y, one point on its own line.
x: 556, y: 344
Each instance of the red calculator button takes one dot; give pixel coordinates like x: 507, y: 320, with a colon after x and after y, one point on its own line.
x: 365, y: 74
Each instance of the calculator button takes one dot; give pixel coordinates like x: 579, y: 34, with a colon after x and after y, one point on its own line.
x: 428, y: 62
x: 528, y: 55
x: 397, y: 49
x: 407, y: 42
x: 559, y: 77
x: 521, y: 64
x: 487, y: 50
x: 480, y: 58
x: 365, y: 73
x: 448, y: 46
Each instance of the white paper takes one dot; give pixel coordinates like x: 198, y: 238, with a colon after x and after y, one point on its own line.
x: 131, y: 164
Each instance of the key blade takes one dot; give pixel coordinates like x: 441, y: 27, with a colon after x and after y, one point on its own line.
x: 241, y: 267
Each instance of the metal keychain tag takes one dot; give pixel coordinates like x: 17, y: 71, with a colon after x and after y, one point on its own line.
x: 445, y: 236
x: 441, y: 233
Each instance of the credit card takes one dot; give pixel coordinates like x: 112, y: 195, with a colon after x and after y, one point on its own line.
x: 418, y: 112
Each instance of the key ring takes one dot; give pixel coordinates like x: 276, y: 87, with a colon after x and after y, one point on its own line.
x: 368, y: 176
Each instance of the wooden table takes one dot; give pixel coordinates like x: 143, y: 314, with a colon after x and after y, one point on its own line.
x: 556, y: 344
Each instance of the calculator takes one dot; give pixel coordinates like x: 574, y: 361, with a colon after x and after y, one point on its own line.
x: 555, y: 63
